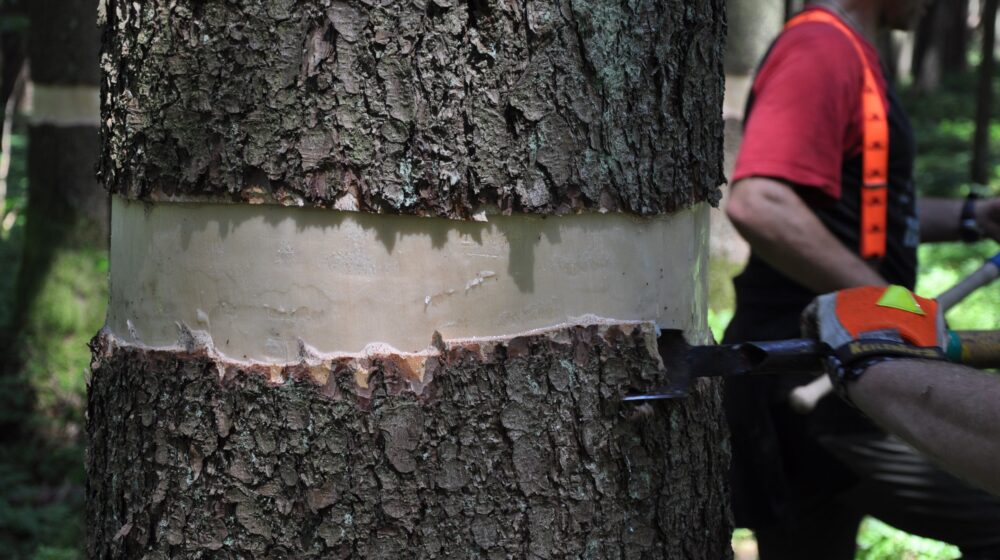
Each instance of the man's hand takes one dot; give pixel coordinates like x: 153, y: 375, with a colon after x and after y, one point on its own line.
x: 945, y: 410
x: 940, y: 218
x: 864, y: 326
x: 988, y: 217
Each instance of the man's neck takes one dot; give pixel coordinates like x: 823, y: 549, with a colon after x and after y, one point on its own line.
x: 861, y: 15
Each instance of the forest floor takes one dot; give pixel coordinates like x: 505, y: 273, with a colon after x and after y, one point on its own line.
x: 42, y: 478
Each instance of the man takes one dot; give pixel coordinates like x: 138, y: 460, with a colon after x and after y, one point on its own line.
x: 807, y: 166
x: 879, y: 363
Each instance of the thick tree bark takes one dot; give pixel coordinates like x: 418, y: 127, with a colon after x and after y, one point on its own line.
x: 519, y: 449
x: 431, y: 107
x: 513, y: 446
x: 980, y: 170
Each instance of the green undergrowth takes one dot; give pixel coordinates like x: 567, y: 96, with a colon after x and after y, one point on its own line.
x: 41, y: 471
x: 41, y: 507
x: 944, y: 265
x: 12, y: 227
x: 721, y: 296
x: 68, y: 311
x: 878, y: 541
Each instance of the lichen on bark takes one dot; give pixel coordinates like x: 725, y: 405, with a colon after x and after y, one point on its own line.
x: 518, y: 448
x: 427, y: 107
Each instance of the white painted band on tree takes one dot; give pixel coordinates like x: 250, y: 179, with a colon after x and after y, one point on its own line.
x: 65, y: 105
x: 259, y: 278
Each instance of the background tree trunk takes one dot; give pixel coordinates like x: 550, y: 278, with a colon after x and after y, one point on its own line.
x: 792, y: 7
x: 13, y: 53
x: 67, y: 209
x: 942, y: 43
x: 67, y: 212
x: 515, y: 446
x: 15, y: 396
x: 984, y: 98
x: 752, y: 25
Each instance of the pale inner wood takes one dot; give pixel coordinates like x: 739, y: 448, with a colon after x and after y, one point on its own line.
x: 258, y: 279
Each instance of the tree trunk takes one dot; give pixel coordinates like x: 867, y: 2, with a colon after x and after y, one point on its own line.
x: 942, y: 43
x: 239, y: 406
x: 984, y: 98
x: 888, y: 52
x: 12, y: 59
x: 65, y: 219
x: 792, y: 7
x: 67, y: 210
x: 752, y: 25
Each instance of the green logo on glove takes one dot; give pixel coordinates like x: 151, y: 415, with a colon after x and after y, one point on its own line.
x: 898, y: 297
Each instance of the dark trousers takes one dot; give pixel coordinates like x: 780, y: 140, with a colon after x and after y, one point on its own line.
x: 804, y: 482
x: 899, y: 486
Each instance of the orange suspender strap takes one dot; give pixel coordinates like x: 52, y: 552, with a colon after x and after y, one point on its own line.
x: 875, y: 144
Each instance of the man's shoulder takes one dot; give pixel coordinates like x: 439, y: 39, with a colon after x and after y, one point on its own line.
x: 818, y: 45
x: 817, y: 32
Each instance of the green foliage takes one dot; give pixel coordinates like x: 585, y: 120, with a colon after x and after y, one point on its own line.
x: 41, y: 506
x: 943, y: 265
x: 13, y: 23
x: 42, y: 501
x: 55, y: 553
x: 720, y: 294
x: 12, y: 226
x: 878, y: 541
x: 944, y: 124
x: 69, y: 310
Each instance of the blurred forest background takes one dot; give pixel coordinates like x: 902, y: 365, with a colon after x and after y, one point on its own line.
x: 53, y: 232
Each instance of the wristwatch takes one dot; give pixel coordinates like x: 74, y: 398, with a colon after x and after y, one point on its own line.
x: 968, y: 229
x: 847, y: 363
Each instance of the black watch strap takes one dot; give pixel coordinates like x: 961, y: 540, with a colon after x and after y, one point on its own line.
x: 968, y: 229
x: 847, y: 363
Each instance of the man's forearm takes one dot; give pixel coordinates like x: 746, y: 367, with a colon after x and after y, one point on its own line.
x: 947, y: 411
x: 939, y: 218
x: 787, y: 235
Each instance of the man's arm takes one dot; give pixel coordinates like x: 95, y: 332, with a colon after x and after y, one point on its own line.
x: 949, y: 412
x: 787, y: 235
x: 939, y: 218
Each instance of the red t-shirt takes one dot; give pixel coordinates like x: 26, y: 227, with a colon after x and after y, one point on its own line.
x: 806, y: 115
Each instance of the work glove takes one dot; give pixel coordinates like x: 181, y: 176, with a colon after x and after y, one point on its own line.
x: 871, y: 324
